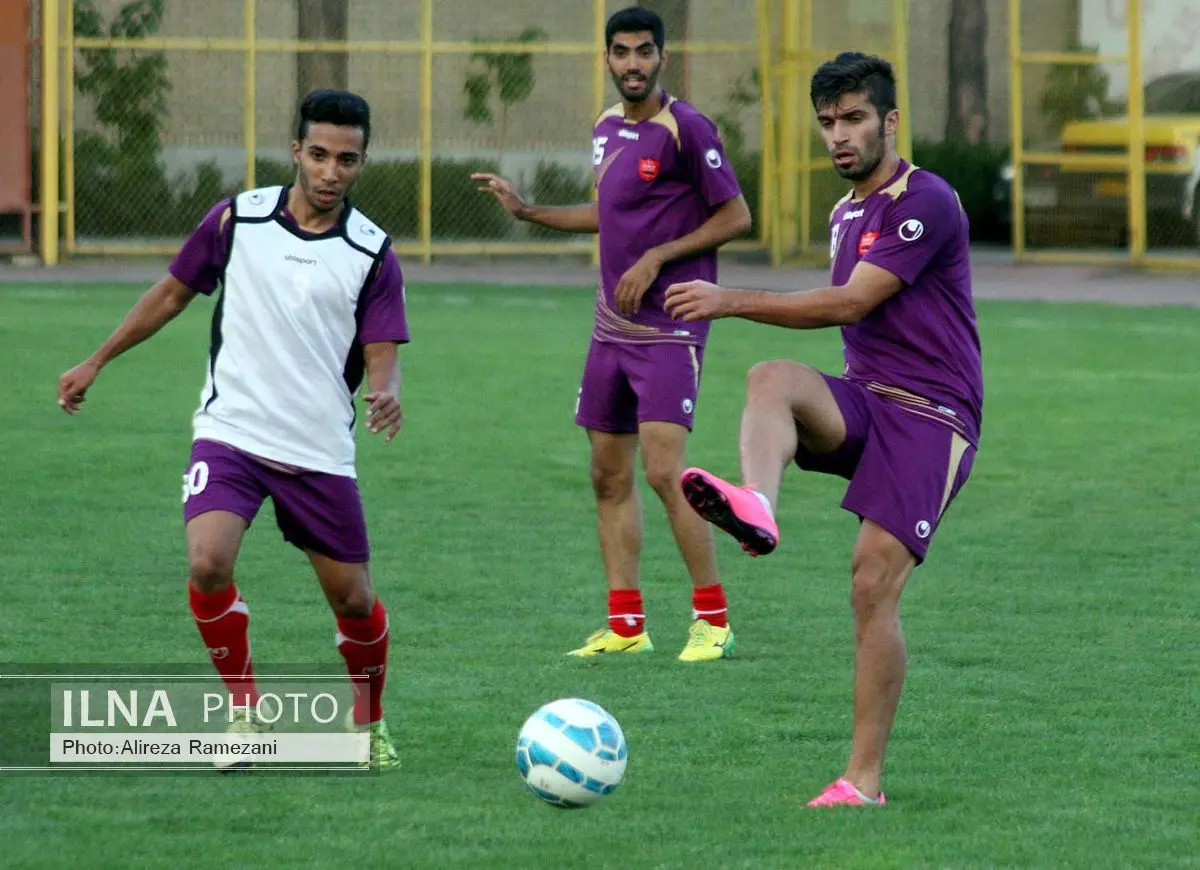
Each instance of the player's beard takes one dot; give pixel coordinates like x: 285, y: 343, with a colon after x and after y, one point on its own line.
x: 651, y: 81
x: 310, y: 193
x: 869, y: 158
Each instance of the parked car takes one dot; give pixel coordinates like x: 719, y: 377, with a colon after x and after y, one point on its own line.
x: 1070, y: 202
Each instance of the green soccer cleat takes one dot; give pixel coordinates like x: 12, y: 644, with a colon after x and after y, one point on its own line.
x: 707, y: 643
x: 243, y: 725
x: 384, y: 754
x: 608, y: 641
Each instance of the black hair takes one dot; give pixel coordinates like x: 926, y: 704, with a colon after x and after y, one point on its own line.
x: 328, y: 106
x: 853, y: 72
x: 635, y: 19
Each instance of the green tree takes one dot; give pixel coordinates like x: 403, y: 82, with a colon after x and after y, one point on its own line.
x: 1076, y: 91
x: 508, y: 75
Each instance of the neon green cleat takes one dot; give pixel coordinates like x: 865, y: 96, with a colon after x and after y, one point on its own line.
x: 608, y: 641
x: 384, y: 754
x: 707, y: 643
x: 242, y: 727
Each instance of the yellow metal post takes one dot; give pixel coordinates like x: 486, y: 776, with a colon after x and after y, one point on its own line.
x: 426, y: 131
x: 50, y: 129
x: 802, y: 76
x: 1017, y: 132
x: 789, y: 105
x: 1137, y: 135
x: 599, y: 82
x: 250, y: 96
x: 900, y: 51
x: 68, y: 155
x: 766, y: 165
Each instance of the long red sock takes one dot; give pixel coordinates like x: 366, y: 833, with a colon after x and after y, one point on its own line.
x: 224, y: 622
x: 708, y: 603
x: 363, y: 643
x: 626, y: 615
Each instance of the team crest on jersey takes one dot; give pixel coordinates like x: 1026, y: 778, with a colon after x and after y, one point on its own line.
x: 648, y: 168
x: 865, y: 241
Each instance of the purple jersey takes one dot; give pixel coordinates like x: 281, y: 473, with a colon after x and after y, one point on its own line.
x: 921, y: 344
x: 656, y: 180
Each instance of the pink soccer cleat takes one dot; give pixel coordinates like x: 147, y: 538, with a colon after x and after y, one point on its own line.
x: 842, y: 793
x: 738, y: 510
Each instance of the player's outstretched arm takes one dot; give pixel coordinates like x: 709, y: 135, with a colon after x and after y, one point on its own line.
x: 383, y: 384
x: 157, y: 307
x: 868, y: 287
x: 582, y: 218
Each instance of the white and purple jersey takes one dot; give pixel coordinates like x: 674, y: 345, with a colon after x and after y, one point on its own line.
x: 288, y: 330
x: 921, y: 346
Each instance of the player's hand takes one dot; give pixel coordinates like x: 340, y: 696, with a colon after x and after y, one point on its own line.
x: 73, y: 386
x: 503, y: 190
x: 383, y: 413
x: 634, y: 283
x: 697, y: 300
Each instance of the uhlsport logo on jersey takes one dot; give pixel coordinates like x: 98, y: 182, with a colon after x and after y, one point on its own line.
x: 923, y: 529
x: 713, y: 158
x: 688, y: 406
x: 911, y: 230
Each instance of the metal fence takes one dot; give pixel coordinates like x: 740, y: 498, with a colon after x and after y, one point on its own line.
x: 156, y: 109
x: 1106, y: 139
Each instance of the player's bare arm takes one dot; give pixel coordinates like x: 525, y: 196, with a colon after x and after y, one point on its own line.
x: 383, y: 383
x: 730, y: 220
x: 849, y: 303
x: 157, y: 307
x: 582, y: 218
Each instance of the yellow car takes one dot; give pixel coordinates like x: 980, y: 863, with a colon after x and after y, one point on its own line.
x: 1089, y: 204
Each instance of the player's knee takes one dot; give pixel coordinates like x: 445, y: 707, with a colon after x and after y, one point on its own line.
x: 209, y: 572
x: 663, y: 477
x: 355, y: 602
x: 774, y: 378
x: 611, y: 483
x: 876, y: 583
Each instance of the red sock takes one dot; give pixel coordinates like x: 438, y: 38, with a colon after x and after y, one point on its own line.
x: 363, y: 643
x: 626, y: 616
x: 708, y: 603
x: 224, y: 622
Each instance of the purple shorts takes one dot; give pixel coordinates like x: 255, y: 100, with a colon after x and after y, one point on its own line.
x: 904, y: 469
x: 627, y: 384
x: 315, y: 511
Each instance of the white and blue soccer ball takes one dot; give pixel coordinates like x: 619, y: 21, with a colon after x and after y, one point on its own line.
x: 571, y: 753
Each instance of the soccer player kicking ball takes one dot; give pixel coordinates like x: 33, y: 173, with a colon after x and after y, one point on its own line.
x: 901, y: 423
x: 311, y: 296
x: 667, y: 199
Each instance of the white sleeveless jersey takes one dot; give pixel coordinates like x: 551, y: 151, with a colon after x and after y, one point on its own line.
x: 285, y: 364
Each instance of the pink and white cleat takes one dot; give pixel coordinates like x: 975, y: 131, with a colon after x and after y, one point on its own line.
x: 842, y: 793
x: 739, y: 510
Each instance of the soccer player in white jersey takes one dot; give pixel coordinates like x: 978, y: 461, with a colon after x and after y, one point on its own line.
x: 311, y: 298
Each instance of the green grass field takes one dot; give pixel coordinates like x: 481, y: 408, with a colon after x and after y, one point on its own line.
x: 1049, y: 718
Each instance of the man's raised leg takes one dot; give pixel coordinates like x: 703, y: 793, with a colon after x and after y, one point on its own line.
x: 362, y: 639
x: 619, y: 526
x: 788, y: 404
x: 664, y: 446
x: 882, y: 566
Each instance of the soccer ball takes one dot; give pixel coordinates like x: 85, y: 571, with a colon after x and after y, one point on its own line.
x: 571, y: 753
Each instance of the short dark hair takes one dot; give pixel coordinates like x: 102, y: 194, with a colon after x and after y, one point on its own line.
x: 329, y: 106
x: 635, y: 19
x: 853, y: 72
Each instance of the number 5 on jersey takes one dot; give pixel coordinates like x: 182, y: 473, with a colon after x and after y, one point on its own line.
x: 598, y: 149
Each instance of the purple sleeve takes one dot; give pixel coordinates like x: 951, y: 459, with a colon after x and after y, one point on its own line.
x: 383, y: 314
x: 917, y: 227
x: 199, y: 262
x: 706, y: 162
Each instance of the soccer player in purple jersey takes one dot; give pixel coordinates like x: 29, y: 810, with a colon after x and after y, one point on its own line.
x: 903, y: 420
x: 666, y: 200
x: 311, y: 298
